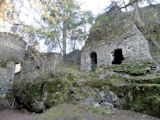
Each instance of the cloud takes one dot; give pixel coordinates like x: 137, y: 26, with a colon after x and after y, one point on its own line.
x: 96, y: 6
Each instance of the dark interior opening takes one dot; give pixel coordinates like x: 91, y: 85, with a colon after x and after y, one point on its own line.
x: 118, y: 56
x: 93, y: 61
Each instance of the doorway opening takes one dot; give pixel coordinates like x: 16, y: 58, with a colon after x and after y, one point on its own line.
x: 93, y: 61
x: 118, y: 56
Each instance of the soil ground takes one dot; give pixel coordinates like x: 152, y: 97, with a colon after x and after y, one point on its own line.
x: 120, y: 115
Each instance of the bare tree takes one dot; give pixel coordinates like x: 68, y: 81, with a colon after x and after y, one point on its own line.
x: 137, y: 13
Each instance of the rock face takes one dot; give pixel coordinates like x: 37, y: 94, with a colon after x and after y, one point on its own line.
x: 42, y: 94
x: 113, y: 43
x: 4, y: 105
x: 12, y: 51
x: 12, y: 48
x: 152, y: 20
x: 6, y: 78
x: 140, y: 94
x: 140, y: 98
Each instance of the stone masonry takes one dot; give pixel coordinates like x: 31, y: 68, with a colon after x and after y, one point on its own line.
x: 12, y: 51
x: 122, y: 34
x: 6, y: 78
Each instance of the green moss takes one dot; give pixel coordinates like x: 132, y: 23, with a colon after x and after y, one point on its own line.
x: 135, y: 68
x: 66, y: 110
x: 10, y: 97
x: 153, y: 100
x: 103, y: 19
x: 146, y: 80
x: 66, y: 87
x: 80, y: 94
x: 94, y: 83
x: 147, y: 104
x: 137, y: 104
x: 72, y: 78
x: 146, y: 85
x: 78, y: 112
x: 49, y: 92
x: 57, y: 92
x: 30, y: 95
x: 31, y: 91
x: 132, y: 84
x: 140, y: 97
x: 158, y: 35
x: 111, y: 80
x: 34, y: 91
x: 101, y: 110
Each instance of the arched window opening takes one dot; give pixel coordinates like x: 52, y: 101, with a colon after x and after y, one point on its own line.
x: 117, y: 56
x: 93, y: 61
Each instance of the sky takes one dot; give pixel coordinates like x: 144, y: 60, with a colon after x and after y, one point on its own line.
x: 96, y: 6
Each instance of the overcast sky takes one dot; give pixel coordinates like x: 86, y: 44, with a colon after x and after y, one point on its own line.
x: 96, y: 6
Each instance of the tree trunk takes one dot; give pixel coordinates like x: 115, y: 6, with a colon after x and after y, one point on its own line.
x: 74, y: 46
x: 137, y: 15
x: 64, y: 39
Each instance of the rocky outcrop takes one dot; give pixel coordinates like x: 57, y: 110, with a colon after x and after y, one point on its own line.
x: 12, y: 48
x: 41, y: 94
x: 104, y: 88
x: 12, y: 51
x: 139, y: 93
x: 4, y: 104
x: 140, y: 98
x: 6, y: 78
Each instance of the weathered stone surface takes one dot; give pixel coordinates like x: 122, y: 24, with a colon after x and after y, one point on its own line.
x: 42, y: 94
x: 38, y: 65
x: 140, y: 97
x: 4, y: 104
x: 73, y: 57
x: 12, y: 51
x: 133, y: 44
x: 6, y: 78
x: 121, y: 32
x: 12, y: 48
x: 140, y: 94
x: 151, y: 30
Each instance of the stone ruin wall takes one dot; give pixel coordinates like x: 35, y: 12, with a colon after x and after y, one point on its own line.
x: 6, y: 78
x: 133, y: 44
x: 12, y: 50
x: 73, y: 58
x: 150, y: 15
x: 33, y: 69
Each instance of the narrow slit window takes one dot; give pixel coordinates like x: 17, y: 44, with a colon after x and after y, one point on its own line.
x: 93, y: 61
